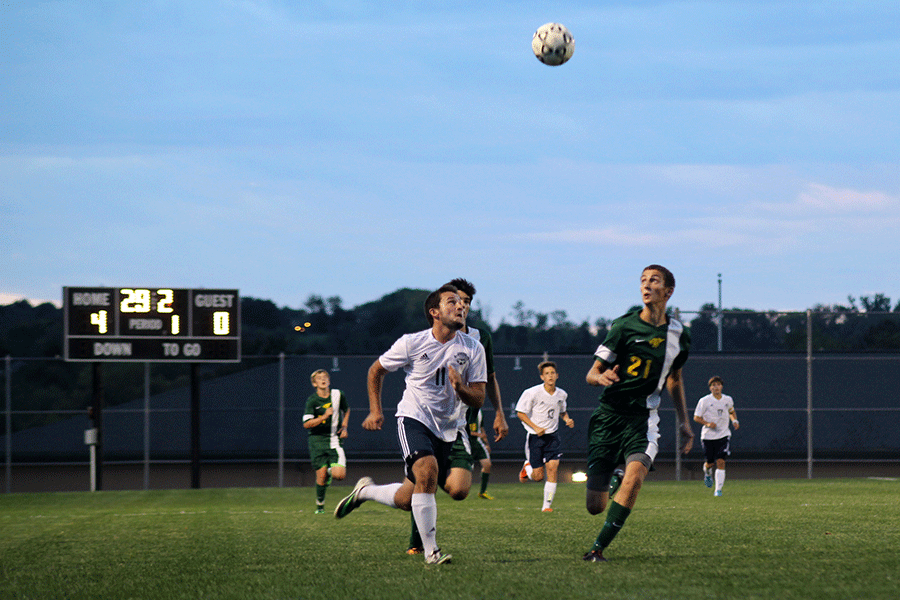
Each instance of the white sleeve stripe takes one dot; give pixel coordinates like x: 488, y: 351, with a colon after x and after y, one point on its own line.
x: 605, y: 354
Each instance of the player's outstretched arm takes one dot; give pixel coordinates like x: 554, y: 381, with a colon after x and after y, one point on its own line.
x: 374, y: 381
x: 601, y: 374
x: 524, y: 418
x: 501, y: 429
x: 675, y: 386
x: 345, y: 423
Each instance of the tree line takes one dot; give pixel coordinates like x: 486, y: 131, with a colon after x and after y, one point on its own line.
x: 324, y: 327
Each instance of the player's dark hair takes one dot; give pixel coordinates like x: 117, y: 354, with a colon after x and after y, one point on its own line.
x: 545, y: 364
x: 434, y: 299
x: 714, y: 379
x: 464, y: 285
x: 668, y: 278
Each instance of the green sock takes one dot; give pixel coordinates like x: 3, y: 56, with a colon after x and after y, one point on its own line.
x: 484, y: 481
x: 415, y: 540
x: 320, y: 494
x: 615, y: 519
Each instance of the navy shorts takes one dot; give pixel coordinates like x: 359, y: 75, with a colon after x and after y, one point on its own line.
x: 540, y: 449
x: 416, y: 441
x: 716, y: 449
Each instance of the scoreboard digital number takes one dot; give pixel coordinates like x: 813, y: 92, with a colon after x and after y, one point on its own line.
x: 151, y: 325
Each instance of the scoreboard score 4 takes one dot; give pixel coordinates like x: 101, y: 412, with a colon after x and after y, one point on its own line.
x: 151, y: 324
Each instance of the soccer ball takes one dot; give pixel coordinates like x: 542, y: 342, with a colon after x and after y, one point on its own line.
x: 553, y: 44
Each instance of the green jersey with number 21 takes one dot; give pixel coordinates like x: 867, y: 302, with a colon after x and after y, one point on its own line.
x: 646, y: 355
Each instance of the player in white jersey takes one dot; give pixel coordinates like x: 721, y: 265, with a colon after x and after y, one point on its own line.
x: 540, y: 408
x: 466, y: 451
x: 445, y: 372
x: 714, y: 412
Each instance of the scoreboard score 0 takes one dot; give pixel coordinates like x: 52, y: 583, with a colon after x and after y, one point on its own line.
x: 151, y: 324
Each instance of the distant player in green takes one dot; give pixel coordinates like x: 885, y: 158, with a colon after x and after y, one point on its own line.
x: 481, y: 448
x: 325, y: 418
x: 643, y: 353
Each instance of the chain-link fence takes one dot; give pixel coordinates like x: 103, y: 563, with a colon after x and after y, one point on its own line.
x: 793, y: 406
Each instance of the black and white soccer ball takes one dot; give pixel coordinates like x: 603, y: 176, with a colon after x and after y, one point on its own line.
x: 553, y: 44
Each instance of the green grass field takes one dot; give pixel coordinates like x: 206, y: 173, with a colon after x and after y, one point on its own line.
x: 780, y: 539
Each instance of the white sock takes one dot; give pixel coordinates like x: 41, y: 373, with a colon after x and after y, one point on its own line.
x: 424, y: 509
x: 382, y: 494
x: 720, y: 479
x: 549, y: 492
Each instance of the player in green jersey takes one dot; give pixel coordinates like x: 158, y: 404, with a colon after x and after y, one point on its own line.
x: 325, y: 418
x: 643, y: 353
x: 474, y: 426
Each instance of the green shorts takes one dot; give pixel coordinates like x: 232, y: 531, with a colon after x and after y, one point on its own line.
x: 614, y: 437
x: 461, y: 454
x: 479, y: 452
x: 325, y: 451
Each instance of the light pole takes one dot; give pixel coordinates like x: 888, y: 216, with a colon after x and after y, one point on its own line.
x: 720, y: 313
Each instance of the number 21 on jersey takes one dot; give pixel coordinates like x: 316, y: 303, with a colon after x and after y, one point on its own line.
x: 639, y: 367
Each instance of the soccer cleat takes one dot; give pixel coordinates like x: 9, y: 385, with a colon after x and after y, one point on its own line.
x: 548, y: 509
x: 717, y: 493
x: 436, y: 558
x: 413, y: 550
x: 523, y: 474
x: 615, y: 481
x: 485, y: 496
x: 352, y: 501
x: 320, y: 510
x: 594, y: 556
x: 707, y: 478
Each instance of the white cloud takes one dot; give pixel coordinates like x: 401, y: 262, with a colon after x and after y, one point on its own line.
x: 834, y: 200
x: 6, y: 298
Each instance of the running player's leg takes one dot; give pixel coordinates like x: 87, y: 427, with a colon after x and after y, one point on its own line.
x: 638, y: 438
x: 456, y: 477
x: 723, y: 452
x: 319, y: 455
x: 338, y: 468
x: 552, y: 455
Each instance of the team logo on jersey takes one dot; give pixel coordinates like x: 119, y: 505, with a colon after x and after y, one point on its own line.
x: 655, y: 342
x: 461, y: 359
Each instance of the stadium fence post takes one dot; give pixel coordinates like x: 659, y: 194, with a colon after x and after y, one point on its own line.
x: 146, y: 425
x: 8, y: 423
x: 281, y: 420
x: 809, y: 395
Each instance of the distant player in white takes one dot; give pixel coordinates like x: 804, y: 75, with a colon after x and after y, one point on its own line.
x: 714, y: 412
x: 445, y: 372
x: 540, y: 408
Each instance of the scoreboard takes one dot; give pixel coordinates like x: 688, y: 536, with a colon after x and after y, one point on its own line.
x: 151, y: 324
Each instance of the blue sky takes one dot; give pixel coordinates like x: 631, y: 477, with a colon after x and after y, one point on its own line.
x: 353, y: 148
